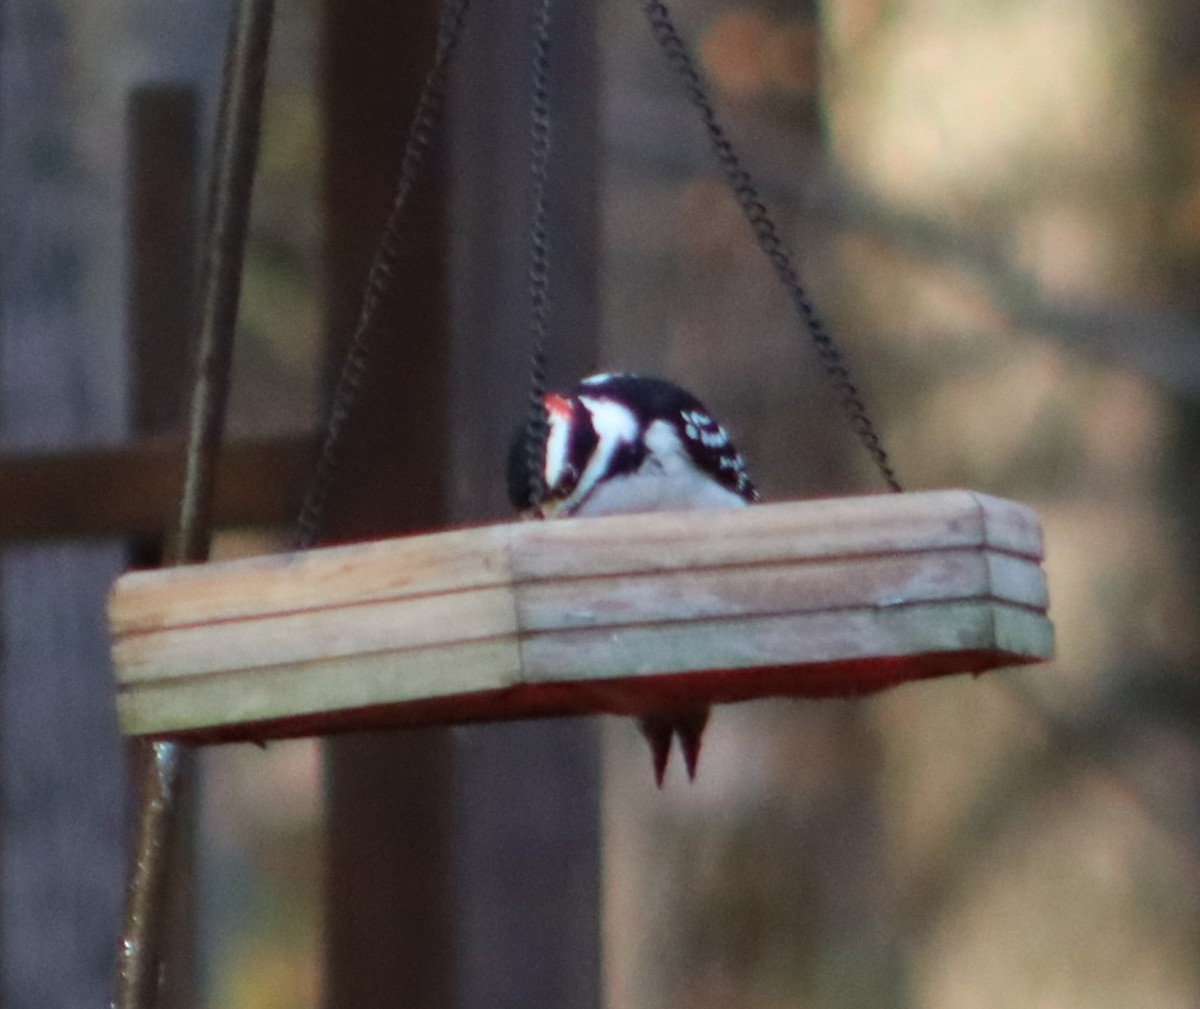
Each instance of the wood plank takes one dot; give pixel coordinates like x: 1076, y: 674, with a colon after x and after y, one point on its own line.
x: 526, y: 797
x: 836, y: 527
x: 789, y: 587
x: 164, y: 176
x: 849, y: 601
x: 133, y: 490
x: 1010, y: 527
x: 553, y: 675
x: 297, y: 638
x: 389, y: 922
x: 346, y: 683
x: 789, y: 639
x: 284, y: 631
x: 361, y: 573
x: 848, y: 527
x: 163, y: 179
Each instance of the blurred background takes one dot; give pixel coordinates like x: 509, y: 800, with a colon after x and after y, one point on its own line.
x: 996, y: 208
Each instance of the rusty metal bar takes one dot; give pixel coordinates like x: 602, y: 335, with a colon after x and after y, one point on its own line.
x: 163, y: 767
x: 233, y: 168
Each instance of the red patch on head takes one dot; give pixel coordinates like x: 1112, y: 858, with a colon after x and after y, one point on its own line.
x: 557, y: 406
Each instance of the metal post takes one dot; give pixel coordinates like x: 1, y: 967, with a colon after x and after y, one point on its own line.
x: 162, y: 766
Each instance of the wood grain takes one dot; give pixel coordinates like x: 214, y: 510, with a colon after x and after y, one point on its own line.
x: 823, y: 529
x: 325, y: 579
x: 176, y: 706
x: 779, y: 588
x: 610, y: 614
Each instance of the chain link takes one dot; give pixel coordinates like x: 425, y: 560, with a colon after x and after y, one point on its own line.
x: 421, y: 134
x: 537, y: 429
x: 767, y: 236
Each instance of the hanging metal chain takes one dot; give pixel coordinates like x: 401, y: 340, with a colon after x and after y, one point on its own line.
x: 767, y: 236
x: 539, y: 253
x: 421, y: 134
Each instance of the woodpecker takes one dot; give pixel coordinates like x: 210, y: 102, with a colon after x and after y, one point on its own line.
x: 621, y: 443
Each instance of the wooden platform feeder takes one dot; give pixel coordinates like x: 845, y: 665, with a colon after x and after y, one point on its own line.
x: 620, y: 615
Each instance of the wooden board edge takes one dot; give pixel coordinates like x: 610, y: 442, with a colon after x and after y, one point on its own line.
x: 316, y: 689
x: 696, y: 595
x: 823, y: 529
x: 262, y: 704
x: 352, y: 574
x: 772, y: 640
x: 395, y: 627
x: 623, y: 697
x: 1010, y: 526
x: 614, y: 604
x: 519, y: 552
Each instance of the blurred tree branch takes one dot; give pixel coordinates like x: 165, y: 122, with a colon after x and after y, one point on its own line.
x: 795, y: 175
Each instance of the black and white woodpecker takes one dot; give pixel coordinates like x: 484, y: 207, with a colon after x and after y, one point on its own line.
x: 619, y: 444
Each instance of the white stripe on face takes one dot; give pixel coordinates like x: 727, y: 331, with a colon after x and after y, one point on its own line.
x: 614, y: 425
x: 598, y: 379
x: 558, y: 441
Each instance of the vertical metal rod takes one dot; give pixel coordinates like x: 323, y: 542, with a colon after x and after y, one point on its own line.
x: 232, y: 182
x: 162, y: 766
